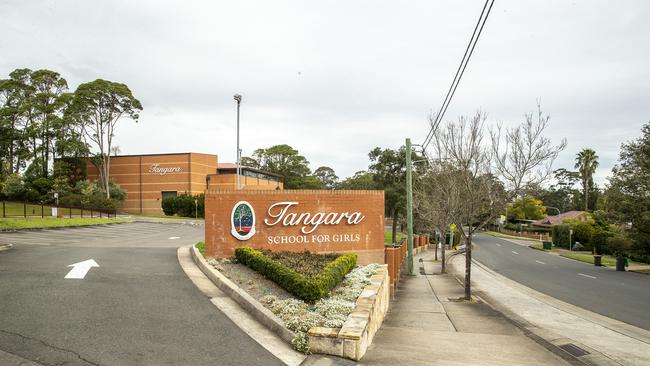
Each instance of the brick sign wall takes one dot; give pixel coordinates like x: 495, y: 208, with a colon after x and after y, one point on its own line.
x: 296, y: 220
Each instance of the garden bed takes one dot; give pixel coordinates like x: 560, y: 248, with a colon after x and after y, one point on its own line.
x: 341, y: 312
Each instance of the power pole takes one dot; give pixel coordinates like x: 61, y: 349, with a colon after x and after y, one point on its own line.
x: 409, y: 207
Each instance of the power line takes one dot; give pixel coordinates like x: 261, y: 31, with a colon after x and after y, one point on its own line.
x: 460, y: 71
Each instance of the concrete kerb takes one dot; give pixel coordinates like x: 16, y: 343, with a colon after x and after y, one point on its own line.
x: 548, y: 339
x: 243, y: 299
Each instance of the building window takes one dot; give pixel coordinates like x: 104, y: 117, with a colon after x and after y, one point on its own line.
x: 169, y: 194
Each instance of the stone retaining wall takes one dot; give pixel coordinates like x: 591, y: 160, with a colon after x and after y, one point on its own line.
x: 352, y: 340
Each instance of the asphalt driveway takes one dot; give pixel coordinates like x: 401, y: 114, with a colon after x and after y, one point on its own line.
x: 137, y: 308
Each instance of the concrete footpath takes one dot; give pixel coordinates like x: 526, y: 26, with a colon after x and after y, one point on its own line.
x: 593, y: 339
x: 428, y: 325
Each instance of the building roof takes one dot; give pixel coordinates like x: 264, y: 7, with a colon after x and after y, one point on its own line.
x: 558, y: 219
x: 230, y: 168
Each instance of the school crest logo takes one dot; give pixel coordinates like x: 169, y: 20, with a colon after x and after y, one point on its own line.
x: 242, y: 220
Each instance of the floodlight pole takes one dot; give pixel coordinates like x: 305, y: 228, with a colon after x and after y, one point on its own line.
x: 409, y: 207
x: 238, y: 99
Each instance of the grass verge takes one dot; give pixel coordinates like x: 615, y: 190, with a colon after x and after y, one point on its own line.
x: 388, y: 236
x: 538, y: 246
x: 38, y: 223
x: 500, y: 235
x: 201, y: 247
x: 588, y: 258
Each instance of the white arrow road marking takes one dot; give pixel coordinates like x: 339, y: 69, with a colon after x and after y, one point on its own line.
x: 174, y: 237
x: 498, y: 244
x: 582, y: 274
x: 540, y: 262
x: 513, y: 252
x: 79, y: 270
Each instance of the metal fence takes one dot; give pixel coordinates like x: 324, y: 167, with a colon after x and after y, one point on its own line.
x: 31, y: 209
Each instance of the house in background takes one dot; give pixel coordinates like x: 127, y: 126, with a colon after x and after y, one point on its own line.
x: 549, y: 221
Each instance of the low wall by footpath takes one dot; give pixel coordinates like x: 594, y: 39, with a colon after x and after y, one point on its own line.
x: 395, y: 256
x: 352, y: 340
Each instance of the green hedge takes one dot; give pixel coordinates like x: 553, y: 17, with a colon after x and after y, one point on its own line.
x: 307, y: 288
x: 561, y: 235
x: 183, y: 205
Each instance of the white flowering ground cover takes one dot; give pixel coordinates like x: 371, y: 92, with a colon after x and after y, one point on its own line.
x: 331, y: 311
x: 299, y: 316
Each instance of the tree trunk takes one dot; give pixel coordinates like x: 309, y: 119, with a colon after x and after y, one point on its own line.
x: 584, y: 184
x: 442, y: 240
x: 468, y: 267
x: 107, y: 160
x: 394, y: 215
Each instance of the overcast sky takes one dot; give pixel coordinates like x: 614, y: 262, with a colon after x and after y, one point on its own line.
x: 334, y: 79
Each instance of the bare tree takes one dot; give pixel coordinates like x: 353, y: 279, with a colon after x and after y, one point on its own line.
x: 523, y: 156
x: 478, y: 194
x: 435, y: 194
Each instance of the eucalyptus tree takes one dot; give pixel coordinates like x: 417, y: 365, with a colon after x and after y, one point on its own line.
x: 97, y: 107
x: 586, y: 163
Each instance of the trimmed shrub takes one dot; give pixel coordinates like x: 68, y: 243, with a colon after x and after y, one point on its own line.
x: 307, y: 288
x: 619, y: 245
x: 560, y: 234
x: 183, y: 205
x: 583, y: 232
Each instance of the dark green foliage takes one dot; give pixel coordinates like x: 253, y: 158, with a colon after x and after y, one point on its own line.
x: 619, y: 245
x: 306, y: 263
x: 599, y: 241
x: 307, y: 288
x: 560, y: 235
x: 183, y: 205
x: 583, y: 233
x: 286, y: 161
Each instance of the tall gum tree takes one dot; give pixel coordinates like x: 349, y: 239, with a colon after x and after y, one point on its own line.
x: 97, y: 107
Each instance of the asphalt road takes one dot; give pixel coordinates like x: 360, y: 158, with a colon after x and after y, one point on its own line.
x: 137, y: 308
x: 624, y: 296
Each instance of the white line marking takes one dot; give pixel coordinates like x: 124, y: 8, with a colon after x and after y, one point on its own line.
x: 540, y: 262
x: 79, y: 270
x: 582, y: 274
x: 174, y: 237
x: 513, y: 252
x: 498, y: 244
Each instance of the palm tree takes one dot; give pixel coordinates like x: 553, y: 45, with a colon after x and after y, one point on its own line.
x: 586, y: 163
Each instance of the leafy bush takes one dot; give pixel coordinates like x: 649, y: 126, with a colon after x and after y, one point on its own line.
x: 560, y: 234
x: 583, y: 232
x: 619, y: 245
x: 183, y: 205
x: 599, y: 241
x: 307, y: 288
x: 201, y: 247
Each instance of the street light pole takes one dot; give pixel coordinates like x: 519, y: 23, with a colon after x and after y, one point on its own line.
x: 409, y: 208
x: 238, y: 99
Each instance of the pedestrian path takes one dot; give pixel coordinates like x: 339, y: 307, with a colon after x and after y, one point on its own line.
x: 600, y: 340
x: 428, y: 325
